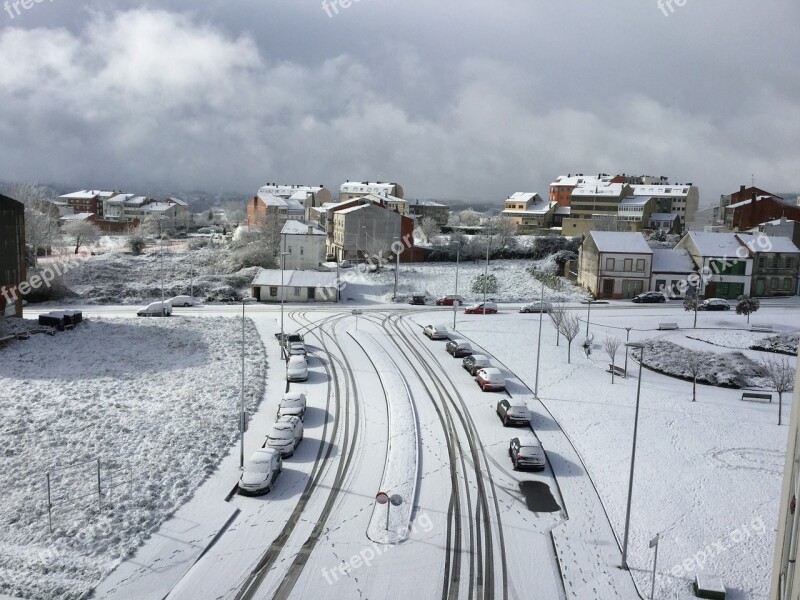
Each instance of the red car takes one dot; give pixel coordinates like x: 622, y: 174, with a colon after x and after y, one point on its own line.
x: 488, y: 308
x: 449, y: 300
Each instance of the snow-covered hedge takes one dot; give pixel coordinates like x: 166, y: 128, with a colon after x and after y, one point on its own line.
x: 156, y: 401
x: 783, y: 343
x: 732, y: 370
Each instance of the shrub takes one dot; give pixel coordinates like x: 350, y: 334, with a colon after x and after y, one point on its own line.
x: 136, y: 244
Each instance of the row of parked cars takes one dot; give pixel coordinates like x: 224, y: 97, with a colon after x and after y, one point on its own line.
x: 525, y: 451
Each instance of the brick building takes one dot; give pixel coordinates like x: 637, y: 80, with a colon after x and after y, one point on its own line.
x: 751, y: 207
x: 12, y: 255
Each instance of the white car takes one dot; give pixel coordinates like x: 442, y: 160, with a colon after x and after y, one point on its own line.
x: 436, y: 332
x: 285, y: 435
x: 260, y: 472
x: 184, y: 301
x: 297, y: 368
x: 536, y: 307
x: 293, y: 404
x: 297, y: 349
x: 156, y: 309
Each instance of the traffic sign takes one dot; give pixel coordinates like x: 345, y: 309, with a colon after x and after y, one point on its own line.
x: 396, y: 500
x: 382, y: 497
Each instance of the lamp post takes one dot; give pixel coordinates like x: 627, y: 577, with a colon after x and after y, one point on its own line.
x: 455, y: 301
x: 241, y: 404
x: 161, y: 260
x: 627, y: 339
x: 639, y: 345
x: 486, y: 268
x: 588, y: 314
x: 283, y: 295
x: 539, y: 342
x: 396, y: 266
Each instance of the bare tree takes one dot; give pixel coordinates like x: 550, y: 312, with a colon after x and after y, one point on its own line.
x: 376, y: 249
x: 429, y: 228
x: 41, y: 216
x: 570, y: 327
x: 81, y: 232
x: 781, y: 375
x: 504, y: 230
x: 469, y: 218
x: 612, y: 345
x: 557, y: 313
x: 692, y: 366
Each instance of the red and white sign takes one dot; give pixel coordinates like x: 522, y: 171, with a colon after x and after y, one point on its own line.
x: 382, y: 497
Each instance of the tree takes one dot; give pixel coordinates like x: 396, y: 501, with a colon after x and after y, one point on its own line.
x: 429, y: 228
x: 487, y: 284
x: 557, y: 314
x: 41, y: 216
x: 503, y: 230
x: 376, y: 250
x: 612, y: 345
x: 235, y: 213
x: 81, y: 232
x: 136, y: 244
x: 659, y: 235
x: 781, y: 376
x: 570, y: 327
x: 690, y: 302
x: 746, y: 305
x: 469, y: 218
x: 692, y: 366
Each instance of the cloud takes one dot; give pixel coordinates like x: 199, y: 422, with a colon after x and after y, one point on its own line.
x: 146, y: 97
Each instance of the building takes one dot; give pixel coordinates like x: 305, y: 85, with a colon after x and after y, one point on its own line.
x: 561, y: 189
x: 776, y: 261
x: 671, y: 271
x: 370, y: 229
x: 529, y: 212
x: 357, y: 189
x: 303, y: 244
x: 744, y: 193
x: 666, y: 222
x: 83, y: 201
x: 725, y: 262
x: 751, y: 212
x: 130, y: 208
x: 597, y: 200
x: 615, y: 264
x: 636, y: 211
x: 786, y: 568
x: 681, y: 199
x: 267, y: 208
x: 422, y: 209
x: 12, y: 256
x: 272, y: 285
x: 307, y: 195
x: 782, y: 227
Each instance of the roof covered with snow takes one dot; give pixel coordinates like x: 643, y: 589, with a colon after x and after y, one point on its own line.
x: 575, y: 180
x: 772, y: 243
x: 287, y: 190
x: 292, y: 278
x: 270, y: 199
x: 620, y: 241
x: 429, y: 203
x: 177, y: 201
x: 636, y: 200
x: 670, y: 190
x: 710, y: 243
x: 602, y: 189
x: 663, y: 217
x: 300, y: 228
x: 78, y: 217
x: 563, y: 210
x: 672, y: 261
x: 367, y: 187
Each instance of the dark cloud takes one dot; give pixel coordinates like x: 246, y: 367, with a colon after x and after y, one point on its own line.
x: 455, y: 100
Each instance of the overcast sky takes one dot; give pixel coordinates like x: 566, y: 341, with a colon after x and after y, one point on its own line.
x: 466, y: 99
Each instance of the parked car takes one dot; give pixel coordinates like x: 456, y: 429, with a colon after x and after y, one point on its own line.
x: 292, y: 404
x: 649, y: 297
x: 487, y: 308
x: 513, y: 413
x: 289, y: 339
x: 526, y: 453
x: 490, y: 379
x: 436, y: 332
x: 458, y: 348
x: 714, y: 304
x: 449, y: 300
x: 330, y: 257
x: 536, y: 307
x: 184, y: 301
x: 297, y: 349
x: 474, y: 362
x: 154, y: 309
x: 297, y: 368
x: 285, y: 435
x: 418, y: 299
x: 345, y: 264
x: 260, y: 472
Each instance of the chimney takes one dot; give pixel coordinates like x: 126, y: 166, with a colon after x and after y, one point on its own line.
x: 310, y: 229
x: 741, y: 188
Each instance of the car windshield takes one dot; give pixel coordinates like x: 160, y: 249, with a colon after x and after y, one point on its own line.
x: 280, y: 434
x: 257, y: 467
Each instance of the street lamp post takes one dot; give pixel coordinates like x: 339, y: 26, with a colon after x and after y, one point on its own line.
x: 588, y: 315
x: 640, y: 346
x: 161, y: 267
x: 486, y: 268
x: 242, y: 422
x: 455, y: 301
x: 283, y: 295
x: 627, y: 339
x: 396, y: 267
x: 539, y: 342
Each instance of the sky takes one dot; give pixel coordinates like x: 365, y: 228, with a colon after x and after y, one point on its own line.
x: 470, y: 100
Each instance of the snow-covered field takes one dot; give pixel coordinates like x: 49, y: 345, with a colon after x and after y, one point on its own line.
x: 154, y: 401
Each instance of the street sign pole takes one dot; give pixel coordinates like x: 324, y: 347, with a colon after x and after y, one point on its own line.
x: 654, y: 544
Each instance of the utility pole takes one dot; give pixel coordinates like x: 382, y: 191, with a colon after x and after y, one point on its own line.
x: 241, y: 404
x: 396, y: 268
x: 161, y: 268
x: 486, y: 268
x: 539, y: 342
x: 455, y: 302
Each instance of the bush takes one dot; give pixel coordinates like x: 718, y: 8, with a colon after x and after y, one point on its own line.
x: 56, y: 289
x: 136, y: 244
x: 491, y: 285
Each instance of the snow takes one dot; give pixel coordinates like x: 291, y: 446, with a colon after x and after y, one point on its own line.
x: 672, y: 261
x: 155, y: 401
x: 620, y: 241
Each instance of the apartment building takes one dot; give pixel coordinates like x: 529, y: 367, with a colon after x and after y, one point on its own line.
x: 681, y: 199
x: 597, y: 200
x: 776, y: 261
x: 84, y: 201
x: 427, y: 208
x: 529, y: 212
x: 724, y: 260
x: 561, y: 189
x: 369, y: 229
x: 757, y: 209
x: 308, y: 196
x: 614, y: 264
x: 304, y: 245
x: 357, y: 189
x: 12, y: 256
x: 267, y: 208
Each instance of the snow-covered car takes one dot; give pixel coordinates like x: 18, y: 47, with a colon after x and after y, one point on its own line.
x: 293, y: 404
x: 260, y: 472
x: 156, y: 309
x: 449, y: 300
x: 297, y: 349
x: 482, y: 308
x: 714, y: 304
x: 330, y: 257
x: 436, y: 332
x: 184, y: 301
x: 474, y: 362
x: 490, y: 379
x: 536, y: 307
x: 297, y: 368
x: 513, y: 413
x: 458, y: 348
x: 289, y: 338
x: 345, y: 264
x: 649, y: 297
x: 420, y: 299
x: 285, y: 435
x: 526, y: 453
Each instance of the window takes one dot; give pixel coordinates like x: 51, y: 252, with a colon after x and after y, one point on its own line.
x: 629, y: 264
x: 762, y: 261
x: 776, y: 262
x: 297, y: 291
x: 789, y: 262
x: 640, y: 262
x: 773, y: 283
x: 609, y: 264
x: 301, y: 251
x: 787, y: 283
x: 273, y: 291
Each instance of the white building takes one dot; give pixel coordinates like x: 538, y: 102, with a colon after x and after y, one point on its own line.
x: 358, y: 189
x: 725, y: 262
x: 615, y: 264
x: 270, y: 285
x: 680, y: 199
x: 304, y: 245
